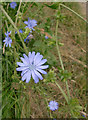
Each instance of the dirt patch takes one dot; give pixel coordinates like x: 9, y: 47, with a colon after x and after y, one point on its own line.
x: 83, y: 8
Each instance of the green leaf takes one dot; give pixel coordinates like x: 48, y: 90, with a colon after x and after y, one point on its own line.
x: 53, y: 6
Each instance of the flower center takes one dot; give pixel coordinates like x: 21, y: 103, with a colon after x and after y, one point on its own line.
x: 31, y: 67
x: 12, y: 4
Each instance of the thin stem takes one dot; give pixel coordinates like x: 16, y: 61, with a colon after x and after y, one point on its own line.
x: 68, y: 90
x: 65, y: 96
x: 60, y: 57
x: 73, y: 12
x: 18, y: 12
x: 50, y: 115
x: 58, y: 46
x: 6, y: 24
x: 7, y: 65
x: 14, y: 27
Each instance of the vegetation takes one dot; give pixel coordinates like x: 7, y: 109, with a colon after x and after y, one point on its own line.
x: 64, y: 49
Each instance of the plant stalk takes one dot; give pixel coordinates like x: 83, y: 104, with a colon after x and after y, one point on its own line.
x: 61, y: 62
x: 65, y: 96
x: 18, y: 12
x: 73, y: 12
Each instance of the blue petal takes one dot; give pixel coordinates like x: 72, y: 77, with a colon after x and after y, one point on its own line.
x: 28, y: 76
x: 24, y: 61
x: 41, y: 71
x: 38, y: 59
x: 43, y: 67
x: 38, y: 74
x: 42, y: 62
x: 32, y: 57
x: 24, y: 76
x: 26, y: 58
x: 36, y: 80
x: 29, y: 55
x: 24, y: 71
x: 26, y: 22
x: 20, y: 64
x: 21, y: 68
x: 24, y: 40
x: 9, y: 44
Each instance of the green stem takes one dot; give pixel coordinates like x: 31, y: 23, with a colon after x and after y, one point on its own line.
x: 7, y: 65
x: 50, y: 115
x: 60, y: 57
x: 65, y: 96
x: 74, y: 12
x: 18, y: 12
x: 14, y: 27
x: 6, y: 24
x: 58, y: 46
x: 68, y: 90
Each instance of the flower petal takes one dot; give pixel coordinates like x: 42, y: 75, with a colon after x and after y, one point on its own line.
x: 36, y: 80
x: 24, y: 61
x: 36, y: 57
x: 23, y: 72
x: 24, y: 76
x: 41, y: 71
x: 28, y: 76
x: 20, y: 64
x: 32, y: 57
x: 26, y: 58
x: 38, y: 74
x: 29, y: 55
x: 42, y: 62
x: 26, y: 22
x: 43, y: 67
x: 21, y: 68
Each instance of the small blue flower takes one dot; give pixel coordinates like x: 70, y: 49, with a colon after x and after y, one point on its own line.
x: 20, y: 30
x: 28, y: 38
x: 46, y: 37
x: 83, y: 115
x: 7, y: 40
x: 15, y: 32
x: 13, y: 5
x: 8, y: 33
x: 53, y: 105
x: 30, y: 24
x: 32, y: 66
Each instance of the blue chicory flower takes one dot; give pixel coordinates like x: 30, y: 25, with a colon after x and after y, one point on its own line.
x: 28, y: 38
x: 32, y: 66
x: 46, y: 37
x: 83, y: 115
x: 53, y: 105
x: 30, y: 24
x: 13, y: 5
x: 20, y: 30
x: 8, y: 33
x: 7, y: 40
